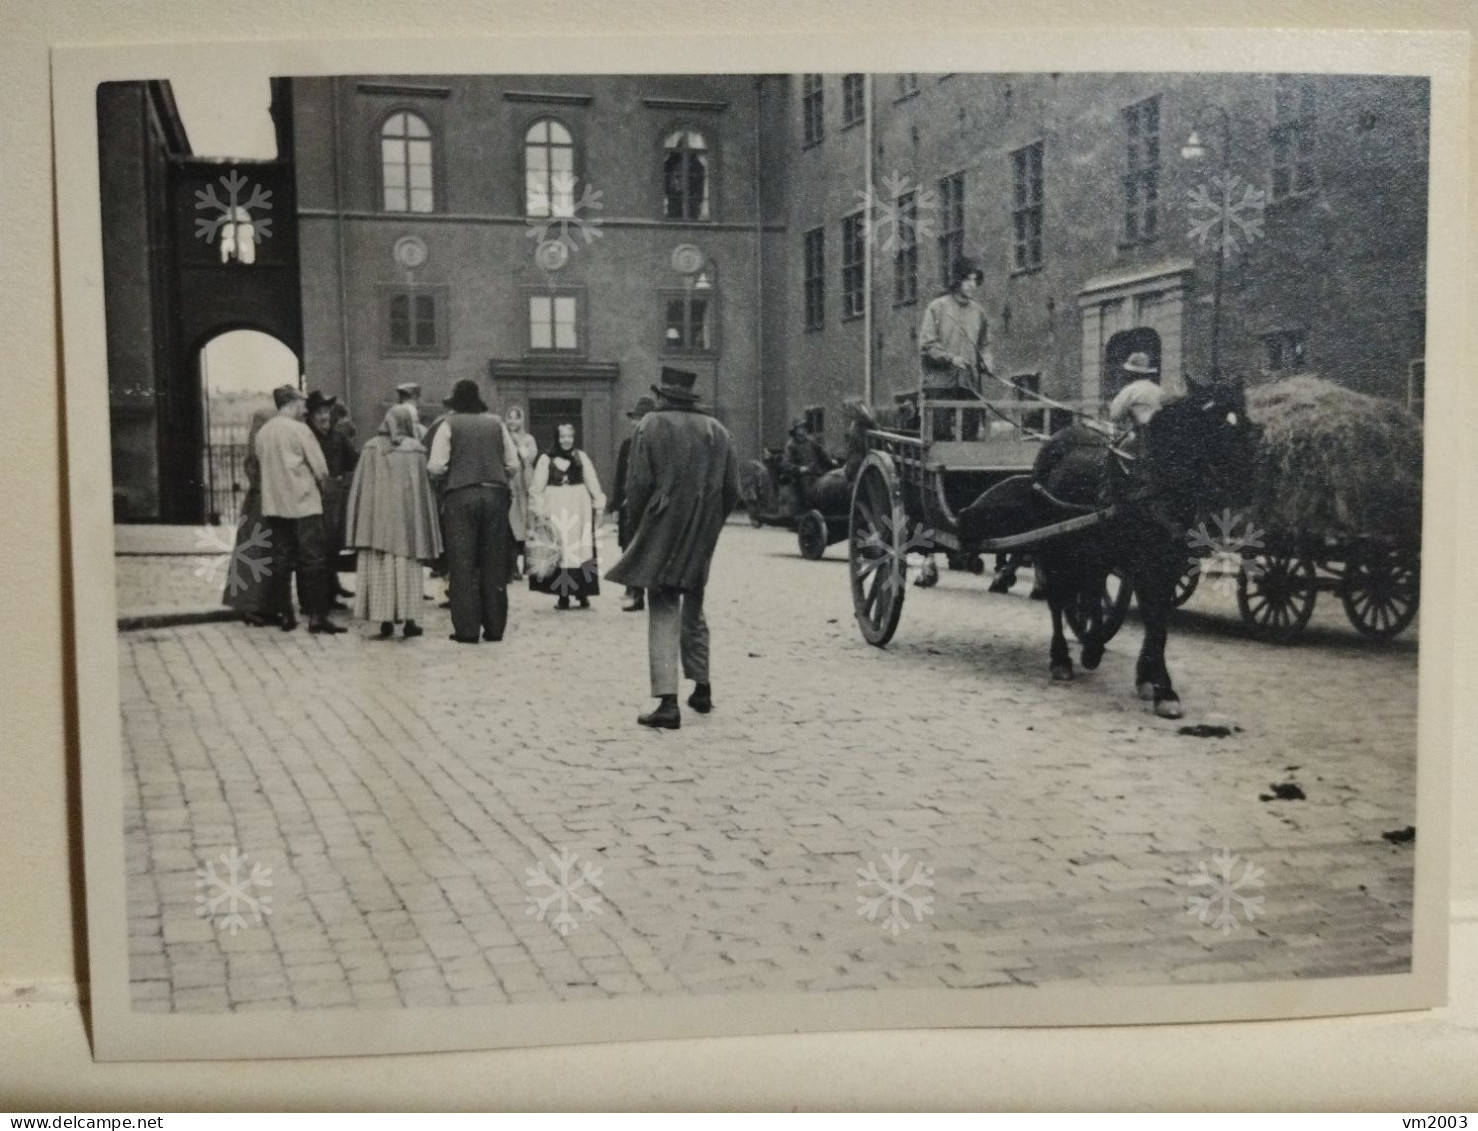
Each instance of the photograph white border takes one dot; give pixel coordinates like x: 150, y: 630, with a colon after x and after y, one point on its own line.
x: 121, y: 1034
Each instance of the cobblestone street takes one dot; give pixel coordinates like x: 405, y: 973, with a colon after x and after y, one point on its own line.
x: 399, y: 791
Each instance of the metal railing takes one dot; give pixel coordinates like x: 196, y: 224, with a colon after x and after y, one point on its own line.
x: 224, y: 473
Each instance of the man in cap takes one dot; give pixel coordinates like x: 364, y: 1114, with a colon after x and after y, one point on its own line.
x: 292, y: 474
x: 476, y: 460
x: 341, y: 458
x: 635, y: 600
x: 682, y: 482
x: 1141, y: 396
x: 954, y: 348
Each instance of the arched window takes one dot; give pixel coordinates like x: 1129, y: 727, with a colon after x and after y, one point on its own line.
x: 405, y: 163
x: 549, y: 169
x: 685, y: 176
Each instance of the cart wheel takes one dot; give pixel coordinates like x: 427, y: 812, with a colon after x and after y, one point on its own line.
x: 1379, y: 590
x: 877, y: 545
x: 1186, y: 586
x: 1275, y: 595
x: 1115, y: 598
x: 810, y: 532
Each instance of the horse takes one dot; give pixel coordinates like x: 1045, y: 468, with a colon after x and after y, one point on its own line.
x: 1194, y: 457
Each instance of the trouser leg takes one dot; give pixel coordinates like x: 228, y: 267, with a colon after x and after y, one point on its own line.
x: 284, y: 557
x: 493, y: 540
x: 312, y: 566
x: 460, y: 536
x: 664, y: 635
x: 694, y: 637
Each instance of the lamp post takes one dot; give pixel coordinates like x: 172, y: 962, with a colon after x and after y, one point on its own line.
x: 1194, y: 149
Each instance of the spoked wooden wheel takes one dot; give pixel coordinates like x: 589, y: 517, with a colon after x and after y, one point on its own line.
x: 1186, y: 586
x: 877, y: 546
x: 810, y: 532
x: 1113, y: 608
x: 1276, y: 594
x: 1379, y: 590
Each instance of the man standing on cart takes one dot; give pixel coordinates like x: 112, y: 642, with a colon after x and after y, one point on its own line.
x: 954, y: 348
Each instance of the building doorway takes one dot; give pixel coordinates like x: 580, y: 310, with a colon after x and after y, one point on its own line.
x: 546, y: 414
x: 238, y: 371
x: 1141, y: 339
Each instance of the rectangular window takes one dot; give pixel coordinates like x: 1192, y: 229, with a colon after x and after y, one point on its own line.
x: 689, y: 326
x: 1142, y: 171
x: 1026, y: 206
x: 906, y: 250
x: 951, y: 225
x: 1285, y: 351
x: 554, y: 323
x: 1293, y: 136
x: 854, y: 250
x: 908, y: 84
x: 854, y: 99
x: 414, y: 321
x: 813, y: 108
x: 815, y: 277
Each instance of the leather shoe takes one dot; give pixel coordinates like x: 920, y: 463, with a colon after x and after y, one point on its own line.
x: 665, y: 717
x: 289, y: 622
x: 634, y: 606
x: 702, y: 699
x: 490, y: 638
x: 463, y: 639
x: 412, y: 629
x: 325, y: 627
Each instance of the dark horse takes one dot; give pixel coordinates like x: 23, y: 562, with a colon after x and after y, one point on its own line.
x: 1193, y: 458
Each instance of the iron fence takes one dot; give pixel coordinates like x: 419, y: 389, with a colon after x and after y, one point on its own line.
x: 225, y: 473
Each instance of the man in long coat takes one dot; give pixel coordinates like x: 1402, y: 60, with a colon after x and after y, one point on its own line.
x: 681, y: 484
x: 625, y: 521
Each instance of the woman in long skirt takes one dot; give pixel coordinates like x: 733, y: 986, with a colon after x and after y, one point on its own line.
x: 392, y: 522
x: 519, y: 517
x: 250, y: 567
x: 566, y: 497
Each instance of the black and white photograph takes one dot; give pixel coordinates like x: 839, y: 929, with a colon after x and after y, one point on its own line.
x: 588, y: 543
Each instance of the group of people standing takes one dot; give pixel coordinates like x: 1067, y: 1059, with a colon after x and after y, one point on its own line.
x: 474, y: 492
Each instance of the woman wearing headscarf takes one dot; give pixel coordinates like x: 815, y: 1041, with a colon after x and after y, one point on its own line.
x: 251, y: 558
x: 566, y: 495
x: 392, y: 522
x: 518, y: 509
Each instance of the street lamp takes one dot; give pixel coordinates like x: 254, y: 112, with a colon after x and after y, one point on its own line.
x: 1194, y: 149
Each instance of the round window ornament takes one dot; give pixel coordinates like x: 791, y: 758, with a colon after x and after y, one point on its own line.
x: 410, y: 252
x: 688, y: 259
x: 551, y: 255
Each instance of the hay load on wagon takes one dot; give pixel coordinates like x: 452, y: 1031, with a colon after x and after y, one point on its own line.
x: 1335, y: 463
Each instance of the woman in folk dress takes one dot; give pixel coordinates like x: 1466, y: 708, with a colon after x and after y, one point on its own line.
x: 566, y: 495
x: 392, y: 522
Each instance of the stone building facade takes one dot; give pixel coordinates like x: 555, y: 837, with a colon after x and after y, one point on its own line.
x: 558, y: 239
x: 1072, y: 193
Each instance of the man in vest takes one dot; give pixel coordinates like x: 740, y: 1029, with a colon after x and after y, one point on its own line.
x: 475, y: 459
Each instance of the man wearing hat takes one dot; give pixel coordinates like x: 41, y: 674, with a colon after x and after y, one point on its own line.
x: 635, y: 601
x: 681, y: 484
x: 476, y: 460
x: 340, y: 457
x: 954, y: 348
x: 292, y: 474
x: 1141, y: 396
